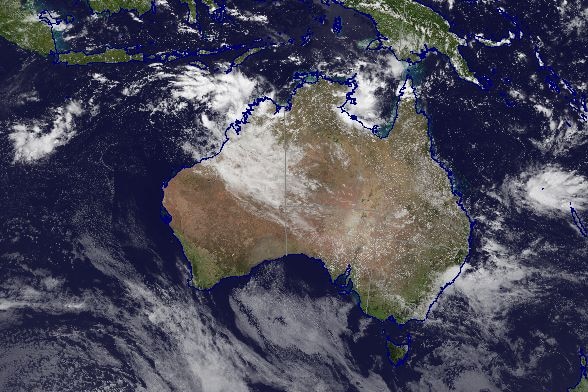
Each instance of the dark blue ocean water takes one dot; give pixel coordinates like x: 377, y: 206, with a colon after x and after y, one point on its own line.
x: 83, y: 227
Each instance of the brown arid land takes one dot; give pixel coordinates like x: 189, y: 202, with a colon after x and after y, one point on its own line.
x: 311, y: 181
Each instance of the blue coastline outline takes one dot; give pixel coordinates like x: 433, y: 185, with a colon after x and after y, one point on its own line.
x: 312, y: 77
x: 122, y: 9
x: 406, y: 343
x: 219, y: 15
x: 577, y: 101
x: 583, y: 227
x: 583, y: 369
x: 45, y: 16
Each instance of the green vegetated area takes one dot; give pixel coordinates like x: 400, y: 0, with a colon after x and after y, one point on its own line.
x: 396, y: 353
x: 412, y: 293
x: 192, y: 7
x: 242, y: 57
x: 410, y: 26
x: 583, y: 384
x: 206, y: 270
x: 581, y: 387
x: 20, y: 24
x: 109, y: 56
x: 141, y: 6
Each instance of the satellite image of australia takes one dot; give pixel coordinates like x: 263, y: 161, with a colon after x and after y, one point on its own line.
x: 293, y: 195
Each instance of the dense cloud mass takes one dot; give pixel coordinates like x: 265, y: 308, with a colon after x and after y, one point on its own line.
x: 95, y: 291
x: 32, y: 143
x: 549, y: 190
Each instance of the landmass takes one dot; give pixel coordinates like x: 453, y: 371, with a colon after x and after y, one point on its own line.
x: 581, y: 387
x: 141, y: 6
x: 396, y: 353
x: 411, y: 28
x: 211, y: 5
x: 578, y: 222
x: 109, y: 56
x: 311, y: 181
x: 20, y: 24
x: 192, y: 10
x: 248, y: 53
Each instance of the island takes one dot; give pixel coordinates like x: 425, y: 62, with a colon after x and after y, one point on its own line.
x: 406, y: 26
x: 110, y: 56
x: 312, y: 181
x: 582, y: 385
x: 141, y: 6
x: 396, y: 353
x: 23, y: 23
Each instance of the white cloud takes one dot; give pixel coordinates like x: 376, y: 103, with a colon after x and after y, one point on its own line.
x: 555, y: 189
x: 550, y: 189
x: 281, y: 322
x: 547, y: 190
x: 501, y: 281
x: 224, y: 96
x: 247, y: 16
x: 304, y: 341
x: 562, y: 135
x: 30, y: 141
x: 225, y: 93
x: 547, y: 112
x: 251, y: 164
x: 371, y: 80
x: 489, y: 42
x: 500, y: 278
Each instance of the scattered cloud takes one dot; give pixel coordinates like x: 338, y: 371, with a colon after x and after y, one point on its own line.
x: 224, y: 93
x: 563, y: 135
x: 32, y: 142
x: 222, y: 98
x: 247, y: 16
